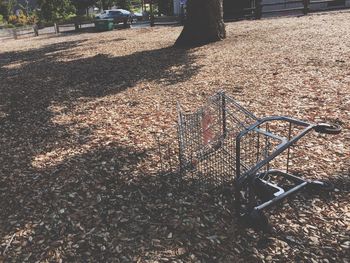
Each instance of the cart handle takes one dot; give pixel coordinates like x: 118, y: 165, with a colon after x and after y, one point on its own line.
x: 328, y: 128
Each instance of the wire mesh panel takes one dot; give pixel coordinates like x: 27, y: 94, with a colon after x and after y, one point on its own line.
x: 207, y: 139
x: 222, y: 140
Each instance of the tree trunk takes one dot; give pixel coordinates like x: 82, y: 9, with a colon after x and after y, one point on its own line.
x: 204, y: 23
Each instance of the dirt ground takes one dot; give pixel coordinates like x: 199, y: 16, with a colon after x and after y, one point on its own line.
x: 78, y: 182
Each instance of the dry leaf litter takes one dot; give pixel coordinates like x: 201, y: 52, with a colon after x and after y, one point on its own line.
x: 79, y: 172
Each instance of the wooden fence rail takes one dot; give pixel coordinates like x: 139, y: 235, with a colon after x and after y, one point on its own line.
x: 259, y: 7
x: 14, y: 33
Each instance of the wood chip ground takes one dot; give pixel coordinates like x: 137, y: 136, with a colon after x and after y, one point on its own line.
x: 78, y: 182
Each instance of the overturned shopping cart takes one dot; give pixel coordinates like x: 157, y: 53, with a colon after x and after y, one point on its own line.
x: 224, y: 143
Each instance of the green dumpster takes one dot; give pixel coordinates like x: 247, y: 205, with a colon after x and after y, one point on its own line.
x: 104, y: 24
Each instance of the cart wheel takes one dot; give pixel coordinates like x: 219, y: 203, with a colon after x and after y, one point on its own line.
x: 328, y: 129
x: 323, y: 186
x: 259, y: 221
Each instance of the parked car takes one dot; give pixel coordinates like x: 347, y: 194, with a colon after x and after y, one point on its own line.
x: 118, y: 16
x: 137, y: 16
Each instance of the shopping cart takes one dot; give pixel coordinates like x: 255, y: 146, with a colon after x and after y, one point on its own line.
x: 223, y: 143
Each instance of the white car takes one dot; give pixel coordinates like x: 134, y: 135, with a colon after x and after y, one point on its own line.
x: 118, y: 15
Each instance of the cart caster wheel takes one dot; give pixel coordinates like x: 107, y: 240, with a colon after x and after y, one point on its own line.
x: 328, y: 129
x: 322, y: 186
x: 259, y: 221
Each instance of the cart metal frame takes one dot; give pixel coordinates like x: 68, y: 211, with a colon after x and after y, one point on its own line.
x: 222, y: 142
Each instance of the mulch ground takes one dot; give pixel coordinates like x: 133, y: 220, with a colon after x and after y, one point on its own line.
x: 79, y: 177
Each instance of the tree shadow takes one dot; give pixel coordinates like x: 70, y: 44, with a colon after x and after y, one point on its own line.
x: 342, y: 180
x: 49, y: 74
x: 47, y: 204
x: 35, y: 79
x: 92, y: 208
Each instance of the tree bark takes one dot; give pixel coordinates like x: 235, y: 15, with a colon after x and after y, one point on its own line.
x: 204, y: 23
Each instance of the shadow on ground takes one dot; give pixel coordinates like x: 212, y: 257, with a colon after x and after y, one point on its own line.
x: 33, y: 80
x: 95, y: 206
x: 90, y: 208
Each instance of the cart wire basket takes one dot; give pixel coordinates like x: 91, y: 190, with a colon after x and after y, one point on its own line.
x: 222, y: 143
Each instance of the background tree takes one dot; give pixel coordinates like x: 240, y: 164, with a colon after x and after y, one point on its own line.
x: 7, y: 8
x: 52, y: 10
x: 105, y: 4
x: 25, y: 7
x: 82, y: 5
x: 3, y: 9
x: 204, y: 23
x: 123, y: 4
x: 11, y: 6
x: 165, y: 7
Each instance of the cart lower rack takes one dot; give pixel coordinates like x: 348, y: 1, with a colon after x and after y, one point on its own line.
x: 224, y: 143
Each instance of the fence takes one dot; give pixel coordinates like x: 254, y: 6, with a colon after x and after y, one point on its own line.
x: 259, y: 8
x: 28, y: 31
x: 14, y: 33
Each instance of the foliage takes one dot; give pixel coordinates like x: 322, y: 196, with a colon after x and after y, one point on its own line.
x: 43, y: 23
x: 165, y: 7
x: 33, y: 19
x: 9, y: 26
x: 21, y: 19
x: 1, y: 19
x: 123, y: 4
x: 3, y: 9
x: 10, y: 6
x: 6, y: 8
x: 106, y: 4
x: 12, y: 19
x: 79, y: 18
x: 53, y: 10
x: 135, y: 6
x: 25, y: 8
x: 82, y: 5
